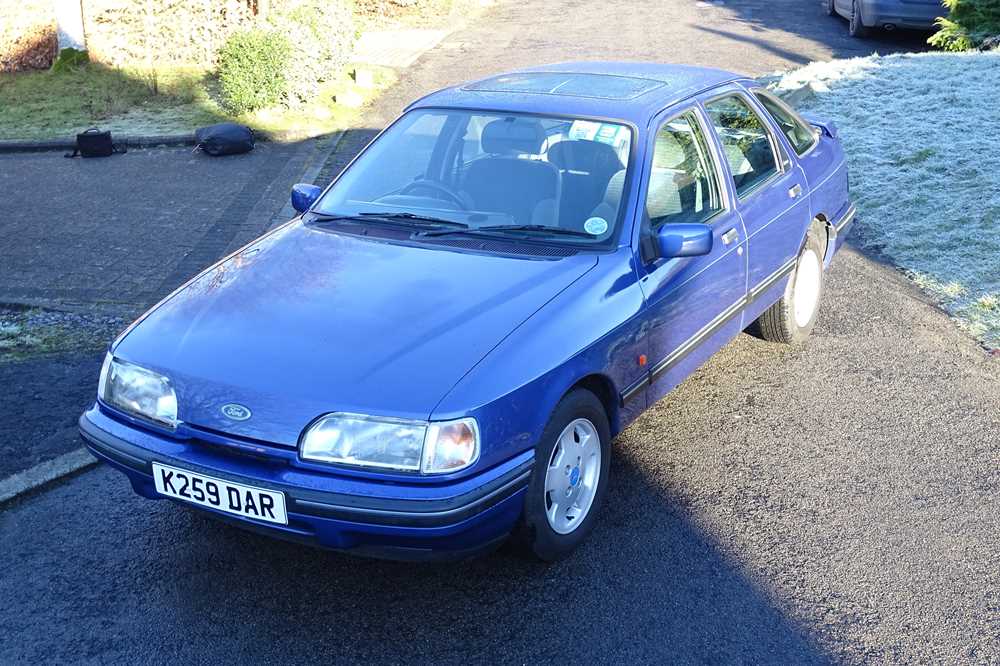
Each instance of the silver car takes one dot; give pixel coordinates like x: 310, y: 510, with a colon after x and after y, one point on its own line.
x: 886, y: 14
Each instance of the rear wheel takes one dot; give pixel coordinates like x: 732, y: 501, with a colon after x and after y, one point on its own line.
x: 570, y: 477
x: 857, y: 27
x: 792, y: 318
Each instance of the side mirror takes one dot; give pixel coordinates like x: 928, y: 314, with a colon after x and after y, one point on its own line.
x: 683, y: 240
x: 304, y: 196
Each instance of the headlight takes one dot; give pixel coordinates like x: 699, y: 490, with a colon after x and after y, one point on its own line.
x: 138, y: 391
x: 414, y: 446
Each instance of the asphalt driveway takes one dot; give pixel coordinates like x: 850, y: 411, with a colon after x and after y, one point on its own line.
x: 833, y: 502
x: 104, y: 239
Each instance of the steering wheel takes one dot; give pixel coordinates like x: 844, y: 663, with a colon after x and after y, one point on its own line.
x: 440, y: 188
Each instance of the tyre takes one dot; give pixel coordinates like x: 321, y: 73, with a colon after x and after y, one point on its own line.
x: 570, y: 477
x: 792, y: 318
x: 831, y: 9
x: 857, y: 27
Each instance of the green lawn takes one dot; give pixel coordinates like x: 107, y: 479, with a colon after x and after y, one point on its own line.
x: 58, y: 104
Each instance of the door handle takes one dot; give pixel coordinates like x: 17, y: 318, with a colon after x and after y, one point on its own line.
x: 730, y: 237
x: 795, y: 191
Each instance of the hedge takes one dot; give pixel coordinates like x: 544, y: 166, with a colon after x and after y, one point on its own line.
x: 968, y: 25
x: 27, y: 35
x: 158, y: 33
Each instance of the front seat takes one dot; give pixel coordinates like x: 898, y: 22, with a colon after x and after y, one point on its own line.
x: 607, y: 209
x: 586, y: 168
x: 526, y: 189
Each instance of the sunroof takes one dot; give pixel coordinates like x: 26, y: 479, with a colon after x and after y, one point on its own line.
x: 603, y: 86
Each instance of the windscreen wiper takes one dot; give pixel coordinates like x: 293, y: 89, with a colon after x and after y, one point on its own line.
x: 396, y: 219
x: 436, y: 221
x: 500, y: 228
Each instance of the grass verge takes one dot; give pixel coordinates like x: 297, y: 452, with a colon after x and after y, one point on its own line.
x: 57, y: 104
x: 28, y: 332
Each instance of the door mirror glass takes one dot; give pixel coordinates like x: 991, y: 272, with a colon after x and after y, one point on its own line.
x: 683, y: 240
x: 304, y: 196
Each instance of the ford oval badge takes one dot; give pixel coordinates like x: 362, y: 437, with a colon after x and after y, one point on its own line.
x: 236, y: 412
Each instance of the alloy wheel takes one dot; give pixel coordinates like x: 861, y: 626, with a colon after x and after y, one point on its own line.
x: 808, y: 278
x: 572, y: 475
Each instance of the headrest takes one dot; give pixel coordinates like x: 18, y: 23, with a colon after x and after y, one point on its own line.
x: 663, y: 194
x: 513, y: 136
x: 668, y: 152
x: 587, y: 156
x: 613, y: 193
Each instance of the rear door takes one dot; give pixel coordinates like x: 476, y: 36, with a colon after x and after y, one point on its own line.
x: 771, y: 194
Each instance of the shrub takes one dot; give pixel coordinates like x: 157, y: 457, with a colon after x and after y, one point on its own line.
x: 321, y: 34
x: 252, y: 70
x: 70, y: 59
x: 969, y: 23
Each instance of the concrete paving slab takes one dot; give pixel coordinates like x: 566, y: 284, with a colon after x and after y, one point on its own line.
x: 395, y: 48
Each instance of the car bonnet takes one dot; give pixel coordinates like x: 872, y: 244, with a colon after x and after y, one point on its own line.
x: 305, y: 322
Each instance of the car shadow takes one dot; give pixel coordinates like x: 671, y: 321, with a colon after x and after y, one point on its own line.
x: 649, y: 584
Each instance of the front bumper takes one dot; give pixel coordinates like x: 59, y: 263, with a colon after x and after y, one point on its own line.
x: 412, y: 522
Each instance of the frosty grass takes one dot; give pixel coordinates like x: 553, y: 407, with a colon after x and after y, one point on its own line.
x: 922, y: 135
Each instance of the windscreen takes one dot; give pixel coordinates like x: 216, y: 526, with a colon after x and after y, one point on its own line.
x: 484, y: 169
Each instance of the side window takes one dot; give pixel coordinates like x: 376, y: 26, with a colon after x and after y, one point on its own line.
x: 683, y: 183
x: 800, y: 135
x: 745, y: 141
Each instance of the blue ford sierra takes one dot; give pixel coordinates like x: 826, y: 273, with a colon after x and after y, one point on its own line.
x: 438, y: 351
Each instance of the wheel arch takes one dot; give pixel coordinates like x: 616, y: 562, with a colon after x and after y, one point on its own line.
x: 822, y: 222
x: 602, y: 387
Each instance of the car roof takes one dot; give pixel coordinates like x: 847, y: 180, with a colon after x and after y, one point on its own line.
x: 629, y: 91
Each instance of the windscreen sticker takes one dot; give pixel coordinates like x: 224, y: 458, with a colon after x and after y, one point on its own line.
x: 595, y: 226
x: 613, y: 134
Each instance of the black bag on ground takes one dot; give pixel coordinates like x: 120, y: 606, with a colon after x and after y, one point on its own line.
x: 224, y: 139
x: 95, y: 143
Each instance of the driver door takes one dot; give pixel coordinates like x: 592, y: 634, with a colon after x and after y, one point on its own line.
x: 692, y: 303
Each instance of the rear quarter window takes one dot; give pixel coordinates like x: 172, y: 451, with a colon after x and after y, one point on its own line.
x: 799, y: 134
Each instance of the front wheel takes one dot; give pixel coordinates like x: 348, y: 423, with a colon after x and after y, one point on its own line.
x: 792, y: 318
x: 570, y: 477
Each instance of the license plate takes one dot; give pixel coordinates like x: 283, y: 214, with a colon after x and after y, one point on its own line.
x: 233, y: 498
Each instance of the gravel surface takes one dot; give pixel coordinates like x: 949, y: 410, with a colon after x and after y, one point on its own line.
x: 834, y: 502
